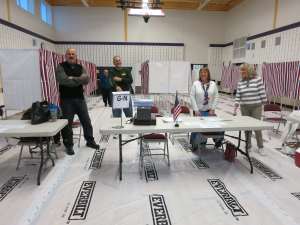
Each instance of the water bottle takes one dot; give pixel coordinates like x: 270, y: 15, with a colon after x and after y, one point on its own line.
x: 53, y: 112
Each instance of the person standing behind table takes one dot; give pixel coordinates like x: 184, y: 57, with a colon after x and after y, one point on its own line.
x: 251, y: 96
x: 204, y: 96
x: 71, y: 76
x: 121, y: 80
x: 105, y: 87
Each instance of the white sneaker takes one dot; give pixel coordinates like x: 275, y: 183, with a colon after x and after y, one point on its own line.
x: 261, y: 151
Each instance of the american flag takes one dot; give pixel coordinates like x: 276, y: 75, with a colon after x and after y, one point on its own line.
x: 177, y: 108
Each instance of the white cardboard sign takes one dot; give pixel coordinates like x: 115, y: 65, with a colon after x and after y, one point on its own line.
x: 121, y: 99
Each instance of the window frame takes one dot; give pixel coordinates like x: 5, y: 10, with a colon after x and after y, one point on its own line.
x: 48, y: 11
x: 30, y: 6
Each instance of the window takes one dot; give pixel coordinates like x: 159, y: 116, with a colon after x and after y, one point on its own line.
x: 27, y: 5
x: 46, y: 12
x: 277, y: 41
x: 239, y: 48
x: 263, y: 43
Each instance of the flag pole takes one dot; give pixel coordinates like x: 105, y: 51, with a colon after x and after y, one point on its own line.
x: 176, y: 120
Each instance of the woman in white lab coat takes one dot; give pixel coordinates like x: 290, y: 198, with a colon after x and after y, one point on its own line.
x: 204, y: 96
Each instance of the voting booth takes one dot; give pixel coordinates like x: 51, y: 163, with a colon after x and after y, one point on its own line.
x: 20, y: 73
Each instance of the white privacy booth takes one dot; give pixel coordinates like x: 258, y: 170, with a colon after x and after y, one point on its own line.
x: 169, y: 76
x: 20, y: 75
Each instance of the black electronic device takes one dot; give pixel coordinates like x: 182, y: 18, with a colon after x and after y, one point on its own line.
x: 152, y: 121
x: 143, y: 116
x: 143, y: 113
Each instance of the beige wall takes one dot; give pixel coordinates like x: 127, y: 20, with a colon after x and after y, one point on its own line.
x: 12, y: 38
x: 29, y: 21
x: 193, y: 28
x: 256, y: 16
x: 3, y: 9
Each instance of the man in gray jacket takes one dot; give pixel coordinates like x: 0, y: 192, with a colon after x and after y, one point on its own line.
x: 71, y: 77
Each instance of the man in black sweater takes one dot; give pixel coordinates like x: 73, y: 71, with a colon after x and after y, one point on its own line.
x: 71, y: 76
x: 121, y: 80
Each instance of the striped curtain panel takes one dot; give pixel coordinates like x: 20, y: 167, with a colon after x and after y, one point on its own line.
x: 145, y: 77
x: 230, y: 77
x: 282, y: 79
x: 48, y: 81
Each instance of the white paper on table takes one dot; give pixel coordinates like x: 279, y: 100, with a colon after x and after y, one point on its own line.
x: 214, y: 119
x: 214, y: 125
x: 171, y: 120
x: 204, y: 124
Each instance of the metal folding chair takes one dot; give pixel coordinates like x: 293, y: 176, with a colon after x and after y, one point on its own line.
x: 34, y: 148
x: 77, y: 124
x: 276, y: 115
x: 148, y: 139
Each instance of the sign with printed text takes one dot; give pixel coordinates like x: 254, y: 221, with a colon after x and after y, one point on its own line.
x: 121, y: 99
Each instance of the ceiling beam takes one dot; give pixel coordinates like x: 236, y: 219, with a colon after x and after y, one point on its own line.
x: 202, y: 4
x: 85, y: 3
x: 207, y: 5
x: 232, y: 3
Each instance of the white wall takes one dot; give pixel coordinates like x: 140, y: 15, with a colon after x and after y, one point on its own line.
x: 3, y: 9
x: 256, y: 16
x: 88, y: 24
x: 196, y: 29
x: 193, y: 28
x: 249, y: 18
x: 288, y: 12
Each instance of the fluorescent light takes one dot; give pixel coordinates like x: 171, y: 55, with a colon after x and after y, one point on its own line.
x: 142, y: 12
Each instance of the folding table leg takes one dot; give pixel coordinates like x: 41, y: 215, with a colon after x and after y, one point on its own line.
x: 120, y: 157
x: 247, y: 152
x: 20, y: 157
x: 41, y: 163
x: 141, y: 159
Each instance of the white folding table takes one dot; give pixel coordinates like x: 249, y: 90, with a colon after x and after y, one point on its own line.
x: 188, y: 124
x: 23, y: 128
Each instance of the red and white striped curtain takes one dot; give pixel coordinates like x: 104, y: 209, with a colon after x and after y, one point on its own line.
x: 230, y: 77
x: 282, y: 79
x: 48, y: 62
x: 145, y: 77
x: 48, y: 81
x: 92, y: 72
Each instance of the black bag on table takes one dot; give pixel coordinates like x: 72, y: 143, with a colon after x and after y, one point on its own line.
x: 40, y: 112
x: 28, y: 115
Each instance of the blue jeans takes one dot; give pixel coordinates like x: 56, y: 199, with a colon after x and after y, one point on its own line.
x: 128, y: 112
x: 197, y: 138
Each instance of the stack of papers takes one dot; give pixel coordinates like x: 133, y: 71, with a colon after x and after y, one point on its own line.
x: 171, y: 120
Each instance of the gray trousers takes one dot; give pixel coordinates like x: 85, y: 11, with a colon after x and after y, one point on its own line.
x: 255, y: 111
